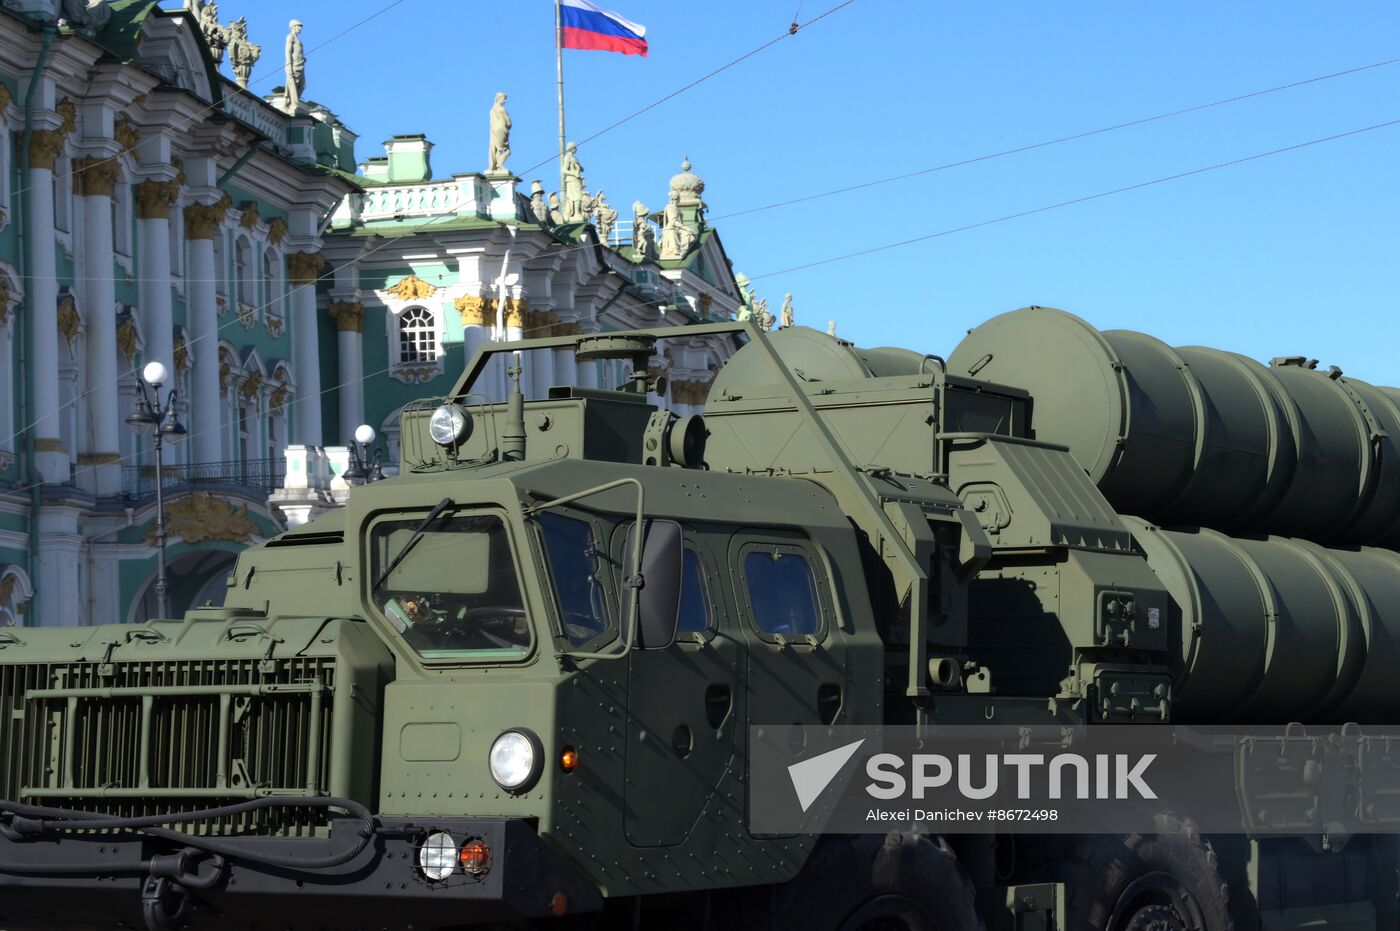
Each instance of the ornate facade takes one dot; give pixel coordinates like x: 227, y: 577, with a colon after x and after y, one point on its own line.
x: 153, y: 209
x: 150, y: 209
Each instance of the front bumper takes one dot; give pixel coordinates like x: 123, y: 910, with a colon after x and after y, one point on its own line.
x: 379, y: 888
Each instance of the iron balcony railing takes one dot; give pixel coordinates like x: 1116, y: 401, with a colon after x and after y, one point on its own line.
x: 263, y: 475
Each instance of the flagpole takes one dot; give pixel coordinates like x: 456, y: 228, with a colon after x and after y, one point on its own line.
x: 559, y: 66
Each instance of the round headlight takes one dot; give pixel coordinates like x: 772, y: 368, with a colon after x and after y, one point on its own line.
x: 516, y: 760
x: 448, y: 425
x: 437, y: 858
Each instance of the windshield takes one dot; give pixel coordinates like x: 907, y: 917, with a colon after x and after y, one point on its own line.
x: 455, y: 592
x: 575, y: 563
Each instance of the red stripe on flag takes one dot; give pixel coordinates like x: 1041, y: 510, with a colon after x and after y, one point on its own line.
x: 596, y: 41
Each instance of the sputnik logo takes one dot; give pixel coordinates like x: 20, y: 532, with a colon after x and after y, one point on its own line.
x: 811, y: 777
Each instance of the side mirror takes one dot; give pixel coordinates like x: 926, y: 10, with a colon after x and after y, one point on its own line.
x: 657, y: 602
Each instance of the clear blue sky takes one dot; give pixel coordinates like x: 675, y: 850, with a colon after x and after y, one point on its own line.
x: 1289, y: 255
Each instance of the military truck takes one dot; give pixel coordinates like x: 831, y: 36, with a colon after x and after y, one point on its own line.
x: 516, y: 682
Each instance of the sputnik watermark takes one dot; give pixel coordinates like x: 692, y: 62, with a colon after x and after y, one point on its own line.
x: 1105, y: 779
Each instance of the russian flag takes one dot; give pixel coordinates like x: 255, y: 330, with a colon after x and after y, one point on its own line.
x: 586, y: 25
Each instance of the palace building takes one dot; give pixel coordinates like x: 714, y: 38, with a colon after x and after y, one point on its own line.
x: 153, y: 208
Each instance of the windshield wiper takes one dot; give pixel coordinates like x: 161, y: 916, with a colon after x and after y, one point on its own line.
x: 418, y: 531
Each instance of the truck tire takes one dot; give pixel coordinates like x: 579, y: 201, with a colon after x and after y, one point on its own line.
x: 870, y: 882
x: 1167, y: 881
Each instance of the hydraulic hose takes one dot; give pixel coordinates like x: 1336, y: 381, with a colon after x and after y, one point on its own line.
x: 18, y: 820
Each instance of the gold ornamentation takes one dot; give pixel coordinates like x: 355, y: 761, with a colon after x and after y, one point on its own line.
x: 349, y: 316
x: 566, y: 329
x: 7, y: 584
x: 516, y: 309
x: 540, y: 323
x: 249, y: 217
x: 412, y: 288
x: 227, y: 363
x: 68, y: 319
x: 305, y: 267
x: 48, y: 444
x: 279, y: 398
x: 181, y: 356
x: 98, y: 459
x: 127, y: 336
x: 202, y: 220
x: 705, y: 301
x: 45, y: 146
x: 4, y: 296
x: 251, y: 385
x: 416, y: 373
x: 94, y: 177
x: 247, y: 315
x: 69, y: 112
x: 126, y: 133
x: 274, y: 323
x: 221, y: 302
x: 277, y: 231
x: 155, y: 198
x: 4, y: 97
x: 473, y: 310
x: 202, y: 517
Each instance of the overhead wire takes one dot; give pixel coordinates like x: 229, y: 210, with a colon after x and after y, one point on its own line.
x: 1080, y: 200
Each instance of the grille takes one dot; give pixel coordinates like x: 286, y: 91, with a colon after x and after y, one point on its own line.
x: 132, y: 739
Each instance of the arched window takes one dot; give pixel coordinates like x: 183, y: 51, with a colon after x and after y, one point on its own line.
x: 417, y: 336
x: 243, y: 270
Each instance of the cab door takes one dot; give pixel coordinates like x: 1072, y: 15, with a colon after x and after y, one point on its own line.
x: 795, y: 669
x: 683, y: 729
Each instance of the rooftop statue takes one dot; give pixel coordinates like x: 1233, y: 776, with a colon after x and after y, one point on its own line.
x: 831, y: 328
x: 216, y: 36
x: 787, y: 317
x: 765, y: 319
x: 500, y: 137
x: 676, y: 237
x: 296, y: 68
x: 556, y: 213
x: 242, y: 54
x: 643, y: 239
x: 537, y: 205
x: 573, y: 186
x: 603, y: 215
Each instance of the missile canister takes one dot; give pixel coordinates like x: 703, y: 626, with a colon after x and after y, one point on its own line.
x: 1197, y: 436
x: 1277, y: 629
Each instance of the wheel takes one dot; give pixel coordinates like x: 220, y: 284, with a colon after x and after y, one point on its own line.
x: 1167, y: 881
x: 870, y: 882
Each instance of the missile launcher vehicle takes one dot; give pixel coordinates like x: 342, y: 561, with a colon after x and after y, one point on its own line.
x: 516, y: 683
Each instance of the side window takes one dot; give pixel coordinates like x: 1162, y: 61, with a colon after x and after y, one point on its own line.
x: 782, y: 591
x: 576, y: 567
x: 695, y: 600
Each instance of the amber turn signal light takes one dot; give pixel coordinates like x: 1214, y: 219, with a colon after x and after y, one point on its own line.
x: 475, y: 856
x: 568, y: 760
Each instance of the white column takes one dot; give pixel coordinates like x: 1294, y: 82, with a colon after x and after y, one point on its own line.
x: 103, y: 457
x: 154, y: 299
x: 349, y: 323
x: 306, y: 348
x: 42, y: 307
x: 202, y: 314
x: 473, y: 335
x: 56, y: 578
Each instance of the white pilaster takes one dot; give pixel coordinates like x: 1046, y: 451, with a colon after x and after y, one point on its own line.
x: 56, y: 579
x: 202, y: 316
x: 154, y: 298
x: 306, y: 353
x: 349, y: 323
x: 102, y: 460
x: 42, y: 305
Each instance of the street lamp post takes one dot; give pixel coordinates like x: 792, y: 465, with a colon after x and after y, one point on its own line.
x: 147, y: 413
x: 362, y: 468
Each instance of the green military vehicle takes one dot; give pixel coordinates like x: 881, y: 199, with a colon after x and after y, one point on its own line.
x: 516, y: 682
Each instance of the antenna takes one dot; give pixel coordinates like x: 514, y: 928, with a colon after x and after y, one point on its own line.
x: 513, y: 436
